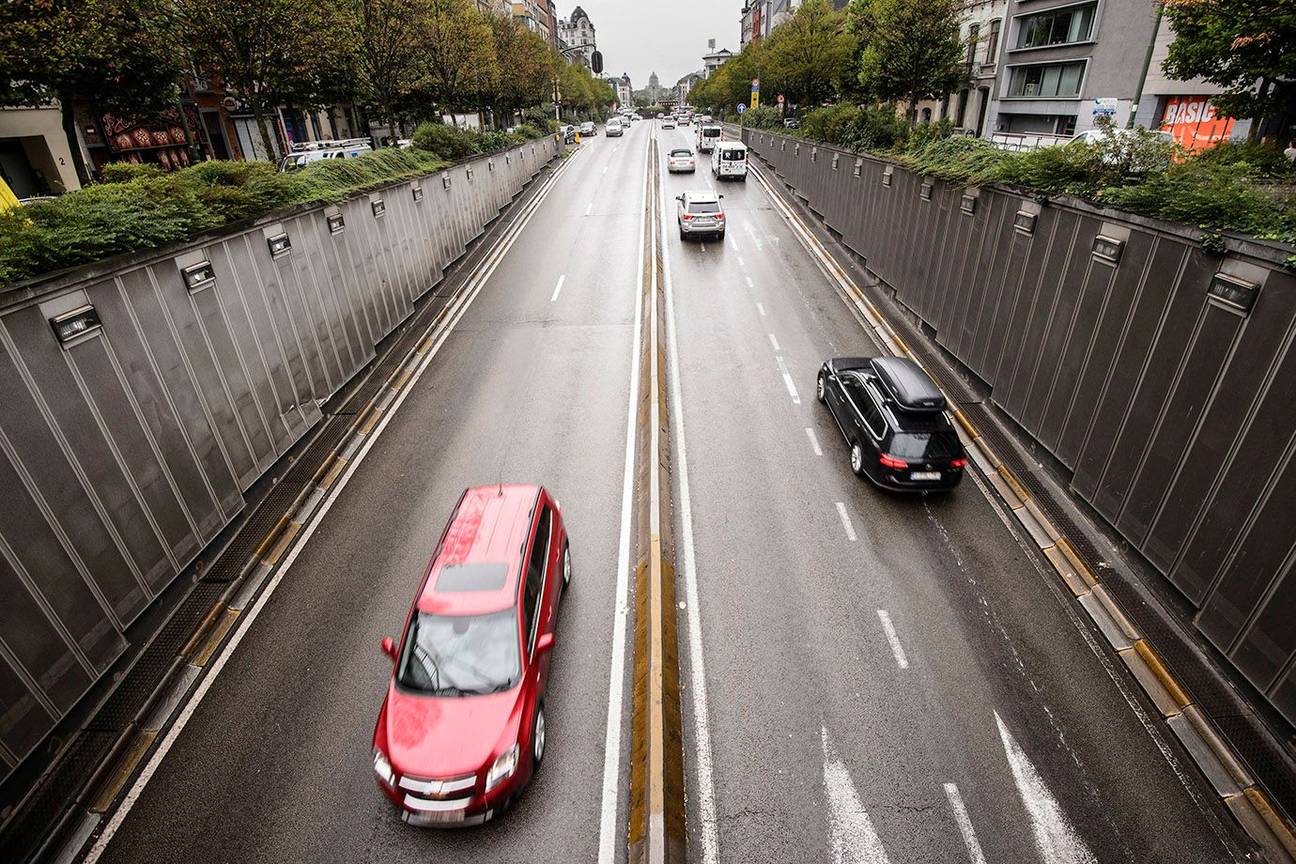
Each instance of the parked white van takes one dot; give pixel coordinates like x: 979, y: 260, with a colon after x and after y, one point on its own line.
x: 307, y: 152
x: 729, y: 159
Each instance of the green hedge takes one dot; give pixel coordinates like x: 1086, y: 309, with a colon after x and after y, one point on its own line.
x: 1230, y: 187
x: 138, y: 207
x: 453, y: 142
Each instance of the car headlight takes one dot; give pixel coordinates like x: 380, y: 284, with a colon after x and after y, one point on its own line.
x: 383, y: 768
x: 505, y: 765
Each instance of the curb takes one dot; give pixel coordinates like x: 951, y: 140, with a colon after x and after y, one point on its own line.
x: 1235, y: 787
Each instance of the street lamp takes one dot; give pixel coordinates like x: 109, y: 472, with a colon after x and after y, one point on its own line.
x: 596, y: 62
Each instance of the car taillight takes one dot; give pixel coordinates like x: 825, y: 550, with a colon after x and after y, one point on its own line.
x: 892, y: 462
x: 957, y: 463
x: 719, y: 217
x: 687, y: 217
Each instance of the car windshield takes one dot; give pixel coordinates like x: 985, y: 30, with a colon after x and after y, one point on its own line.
x: 711, y: 132
x: 704, y: 207
x: 924, y: 446
x: 461, y: 655
x: 681, y: 152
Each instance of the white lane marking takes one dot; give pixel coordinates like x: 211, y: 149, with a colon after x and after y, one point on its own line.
x: 558, y: 288
x: 697, y: 668
x: 896, y: 648
x: 616, y: 680
x: 787, y: 381
x: 761, y: 309
x: 588, y: 208
x: 1055, y: 839
x: 975, y: 855
x: 854, y: 840
x: 814, y: 441
x: 249, y: 618
x: 750, y: 283
x: 741, y: 262
x: 774, y: 342
x: 846, y: 521
x: 605, y: 169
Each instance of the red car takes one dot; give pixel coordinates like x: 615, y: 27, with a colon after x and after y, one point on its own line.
x: 462, y: 728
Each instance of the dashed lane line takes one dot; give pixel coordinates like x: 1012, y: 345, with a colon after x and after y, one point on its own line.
x: 896, y: 648
x: 975, y: 856
x: 846, y: 522
x: 814, y: 441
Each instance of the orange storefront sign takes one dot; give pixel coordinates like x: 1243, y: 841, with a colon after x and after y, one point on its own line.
x: 1193, y: 122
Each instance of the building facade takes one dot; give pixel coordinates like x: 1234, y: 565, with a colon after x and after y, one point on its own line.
x: 981, y: 24
x: 35, y: 157
x: 534, y: 15
x: 713, y: 59
x: 578, y: 32
x: 1064, y: 65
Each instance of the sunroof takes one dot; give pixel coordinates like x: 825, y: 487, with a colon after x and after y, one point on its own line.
x: 456, y: 578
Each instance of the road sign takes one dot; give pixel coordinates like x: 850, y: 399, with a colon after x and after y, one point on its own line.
x: 741, y: 107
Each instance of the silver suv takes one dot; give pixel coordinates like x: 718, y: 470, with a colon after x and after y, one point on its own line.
x: 700, y: 213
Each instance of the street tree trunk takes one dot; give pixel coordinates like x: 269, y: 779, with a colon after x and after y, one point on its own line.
x: 259, y: 113
x: 74, y: 144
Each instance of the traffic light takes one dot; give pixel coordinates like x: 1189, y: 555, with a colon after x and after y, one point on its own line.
x: 596, y: 61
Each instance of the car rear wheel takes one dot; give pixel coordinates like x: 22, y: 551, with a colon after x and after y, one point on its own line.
x: 538, y: 733
x: 566, y: 568
x: 821, y: 392
x: 857, y: 459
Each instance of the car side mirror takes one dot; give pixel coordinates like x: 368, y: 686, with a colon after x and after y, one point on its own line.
x: 679, y: 198
x: 544, y: 643
x: 720, y: 196
x: 389, y: 647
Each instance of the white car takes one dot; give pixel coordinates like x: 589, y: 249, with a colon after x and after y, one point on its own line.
x: 1093, y: 136
x: 700, y: 213
x: 680, y: 160
x: 304, y: 154
x: 588, y: 128
x: 614, y: 129
x: 668, y: 123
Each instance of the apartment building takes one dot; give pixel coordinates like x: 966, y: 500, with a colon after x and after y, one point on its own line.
x: 578, y: 31
x: 534, y: 15
x: 1064, y: 65
x: 981, y: 29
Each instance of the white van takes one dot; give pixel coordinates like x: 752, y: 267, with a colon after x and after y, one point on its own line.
x: 708, y: 136
x: 304, y: 154
x: 729, y: 159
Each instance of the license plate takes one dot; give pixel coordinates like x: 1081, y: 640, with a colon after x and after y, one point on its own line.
x: 435, y: 817
x: 925, y: 475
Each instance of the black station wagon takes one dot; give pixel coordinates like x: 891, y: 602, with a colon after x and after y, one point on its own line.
x: 893, y: 417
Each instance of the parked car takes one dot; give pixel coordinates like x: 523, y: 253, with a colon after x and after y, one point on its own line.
x: 305, y: 153
x: 680, y: 160
x: 700, y: 213
x: 892, y: 416
x: 729, y: 160
x: 791, y: 123
x: 588, y: 128
x: 462, y: 727
x: 614, y: 129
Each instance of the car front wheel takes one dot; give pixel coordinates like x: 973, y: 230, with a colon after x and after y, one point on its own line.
x: 566, y: 568
x: 821, y: 392
x: 857, y: 459
x: 538, y: 734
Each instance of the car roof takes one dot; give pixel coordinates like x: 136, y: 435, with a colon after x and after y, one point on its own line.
x: 490, y: 526
x: 908, y: 384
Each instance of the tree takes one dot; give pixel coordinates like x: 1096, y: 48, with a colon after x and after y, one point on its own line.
x: 805, y: 57
x: 117, y: 55
x: 271, y: 52
x: 1248, y: 47
x: 524, y: 66
x: 914, y: 52
x: 389, y: 38
x: 460, y: 53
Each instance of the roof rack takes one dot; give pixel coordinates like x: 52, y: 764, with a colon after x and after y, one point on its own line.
x: 907, y: 383
x: 341, y: 144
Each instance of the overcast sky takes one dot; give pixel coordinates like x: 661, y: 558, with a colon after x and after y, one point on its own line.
x: 665, y: 36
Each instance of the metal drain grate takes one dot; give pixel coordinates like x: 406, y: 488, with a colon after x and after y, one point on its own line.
x: 24, y: 835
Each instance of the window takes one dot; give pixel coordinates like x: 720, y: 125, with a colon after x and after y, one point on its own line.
x: 1046, y: 80
x: 535, y: 576
x: 460, y: 655
x: 704, y: 207
x: 863, y: 402
x: 992, y: 42
x: 974, y: 33
x: 1056, y: 26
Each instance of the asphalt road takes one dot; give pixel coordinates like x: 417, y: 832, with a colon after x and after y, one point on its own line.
x: 1005, y: 722
x: 275, y: 764
x: 988, y: 721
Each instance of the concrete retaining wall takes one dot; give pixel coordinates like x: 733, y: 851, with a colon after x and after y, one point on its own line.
x: 126, y: 443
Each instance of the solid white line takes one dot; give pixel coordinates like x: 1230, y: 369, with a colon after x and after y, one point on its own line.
x: 896, y: 648
x: 750, y: 283
x: 854, y: 839
x: 616, y: 681
x: 774, y: 342
x: 964, y: 824
x: 846, y: 521
x: 760, y: 309
x: 697, y: 668
x: 787, y: 381
x: 1055, y: 839
x: 814, y: 441
x: 558, y: 288
x: 247, y: 620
